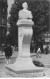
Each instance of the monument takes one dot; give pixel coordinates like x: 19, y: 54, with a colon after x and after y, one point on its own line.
x: 24, y: 61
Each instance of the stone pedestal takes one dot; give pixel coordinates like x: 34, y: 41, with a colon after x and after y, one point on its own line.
x: 24, y: 37
x: 24, y: 61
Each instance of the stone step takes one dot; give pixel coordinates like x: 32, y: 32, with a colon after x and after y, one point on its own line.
x: 32, y: 73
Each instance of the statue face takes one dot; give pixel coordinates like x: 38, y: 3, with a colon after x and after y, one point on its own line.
x: 24, y: 5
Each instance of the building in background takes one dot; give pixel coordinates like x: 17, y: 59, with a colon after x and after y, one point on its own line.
x: 3, y: 21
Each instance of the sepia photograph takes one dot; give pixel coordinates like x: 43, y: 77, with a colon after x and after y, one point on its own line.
x: 24, y: 38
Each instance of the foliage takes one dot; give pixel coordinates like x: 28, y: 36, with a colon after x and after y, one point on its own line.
x: 40, y: 12
x: 38, y: 63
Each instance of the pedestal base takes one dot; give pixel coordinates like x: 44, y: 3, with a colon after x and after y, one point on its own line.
x: 24, y: 65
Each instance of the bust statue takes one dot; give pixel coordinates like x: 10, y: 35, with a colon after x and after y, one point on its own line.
x: 25, y: 13
x: 25, y: 16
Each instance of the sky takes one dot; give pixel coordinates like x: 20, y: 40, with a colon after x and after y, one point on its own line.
x: 10, y: 2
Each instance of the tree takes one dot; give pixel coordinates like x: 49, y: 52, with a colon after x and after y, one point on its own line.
x: 40, y: 12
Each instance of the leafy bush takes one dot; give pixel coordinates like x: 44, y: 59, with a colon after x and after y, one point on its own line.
x: 37, y: 63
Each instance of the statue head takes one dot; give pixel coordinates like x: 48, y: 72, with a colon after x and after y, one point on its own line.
x: 25, y: 5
